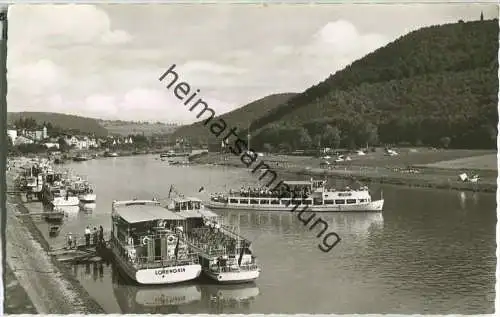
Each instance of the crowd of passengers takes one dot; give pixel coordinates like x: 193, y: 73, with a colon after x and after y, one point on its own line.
x: 214, y: 239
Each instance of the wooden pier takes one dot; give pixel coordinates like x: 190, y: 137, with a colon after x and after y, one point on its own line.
x: 80, y: 250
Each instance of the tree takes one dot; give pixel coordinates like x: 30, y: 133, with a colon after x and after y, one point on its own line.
x: 445, y: 141
x: 331, y: 136
x: 370, y: 134
x: 268, y: 147
x: 63, y: 145
x: 305, y: 140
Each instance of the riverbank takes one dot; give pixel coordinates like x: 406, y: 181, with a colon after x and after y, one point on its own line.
x: 49, y: 284
x: 414, y: 169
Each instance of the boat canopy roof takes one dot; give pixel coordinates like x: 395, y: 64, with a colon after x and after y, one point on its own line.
x: 185, y: 199
x: 298, y: 183
x: 142, y: 212
x: 197, y: 213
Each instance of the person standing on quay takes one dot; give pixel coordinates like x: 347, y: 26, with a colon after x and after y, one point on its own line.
x: 101, y: 236
x: 87, y: 236
x: 94, y: 238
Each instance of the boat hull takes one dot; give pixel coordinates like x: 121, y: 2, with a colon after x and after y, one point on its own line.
x: 233, y: 277
x: 373, y: 206
x: 159, y: 276
x: 62, y: 201
x: 87, y: 198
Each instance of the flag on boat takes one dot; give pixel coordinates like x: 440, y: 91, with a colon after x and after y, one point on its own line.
x: 170, y: 191
x: 202, y: 189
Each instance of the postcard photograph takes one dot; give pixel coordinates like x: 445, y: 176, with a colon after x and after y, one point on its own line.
x: 250, y: 158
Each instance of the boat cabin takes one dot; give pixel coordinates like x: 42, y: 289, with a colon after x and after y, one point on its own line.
x: 191, y: 209
x: 145, y: 232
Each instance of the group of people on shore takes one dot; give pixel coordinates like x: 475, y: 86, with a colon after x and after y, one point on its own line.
x: 93, y: 237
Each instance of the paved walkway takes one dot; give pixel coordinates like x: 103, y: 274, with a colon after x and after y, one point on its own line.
x: 49, y: 292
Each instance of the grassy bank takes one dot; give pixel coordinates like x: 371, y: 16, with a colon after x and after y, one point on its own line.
x: 90, y: 305
x: 435, y: 168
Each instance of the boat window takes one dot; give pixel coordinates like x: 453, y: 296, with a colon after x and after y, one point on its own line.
x: 190, y: 205
x: 233, y: 201
x: 177, y: 207
x: 307, y: 202
x: 339, y: 201
x: 296, y: 202
x: 317, y: 201
x: 285, y: 201
x: 275, y: 202
x: 329, y: 202
x: 351, y: 201
x: 254, y: 201
x: 264, y: 202
x: 361, y: 200
x: 243, y: 201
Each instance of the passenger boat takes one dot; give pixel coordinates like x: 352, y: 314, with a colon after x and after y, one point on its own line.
x: 298, y: 194
x: 110, y: 154
x: 57, y: 196
x: 224, y: 255
x: 84, y: 191
x: 148, y: 243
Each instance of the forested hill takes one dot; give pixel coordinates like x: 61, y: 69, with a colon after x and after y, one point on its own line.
x: 63, y: 121
x: 240, y: 118
x: 434, y: 85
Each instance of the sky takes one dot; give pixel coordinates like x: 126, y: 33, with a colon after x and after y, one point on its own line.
x: 104, y: 61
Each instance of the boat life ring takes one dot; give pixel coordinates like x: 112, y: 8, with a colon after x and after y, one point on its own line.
x: 145, y: 240
x: 161, y: 223
x: 170, y: 239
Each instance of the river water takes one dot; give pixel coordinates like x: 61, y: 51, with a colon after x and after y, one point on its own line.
x: 430, y: 251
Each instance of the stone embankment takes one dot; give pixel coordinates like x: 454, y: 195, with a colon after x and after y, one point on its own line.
x: 49, y: 285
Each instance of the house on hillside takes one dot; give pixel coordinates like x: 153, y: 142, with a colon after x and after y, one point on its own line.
x: 23, y: 140
x: 12, y: 134
x: 36, y: 135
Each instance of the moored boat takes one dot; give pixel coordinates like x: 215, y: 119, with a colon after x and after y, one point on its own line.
x: 148, y: 245
x: 298, y: 194
x: 84, y: 191
x: 80, y: 158
x: 225, y: 256
x: 57, y: 196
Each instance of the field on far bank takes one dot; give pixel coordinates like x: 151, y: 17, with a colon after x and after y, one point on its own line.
x: 376, y: 166
x: 483, y: 162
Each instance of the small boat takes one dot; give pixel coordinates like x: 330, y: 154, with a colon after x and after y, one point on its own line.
x: 146, y: 246
x: 225, y: 256
x: 110, y: 154
x: 54, y: 230
x: 80, y: 158
x: 55, y: 215
x: 313, y: 195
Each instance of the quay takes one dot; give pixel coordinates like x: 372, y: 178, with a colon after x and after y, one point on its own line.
x: 50, y: 286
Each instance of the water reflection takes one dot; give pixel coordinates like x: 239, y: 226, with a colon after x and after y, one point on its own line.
x: 353, y: 223
x: 88, y: 207
x: 70, y: 212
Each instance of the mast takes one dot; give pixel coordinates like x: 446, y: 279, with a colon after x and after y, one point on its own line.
x: 248, y: 135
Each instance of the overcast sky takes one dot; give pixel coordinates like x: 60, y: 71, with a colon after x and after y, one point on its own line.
x: 104, y: 61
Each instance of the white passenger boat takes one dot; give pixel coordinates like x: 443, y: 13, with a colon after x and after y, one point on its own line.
x: 84, y: 191
x: 59, y: 197
x: 298, y: 194
x: 146, y: 246
x: 224, y: 255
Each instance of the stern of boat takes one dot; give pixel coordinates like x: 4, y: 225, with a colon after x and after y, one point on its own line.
x: 168, y: 275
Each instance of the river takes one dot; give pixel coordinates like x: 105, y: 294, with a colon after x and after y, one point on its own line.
x: 430, y: 251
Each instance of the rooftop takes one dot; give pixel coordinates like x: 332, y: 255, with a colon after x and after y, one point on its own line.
x: 142, y: 212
